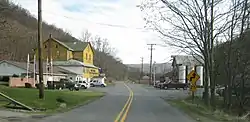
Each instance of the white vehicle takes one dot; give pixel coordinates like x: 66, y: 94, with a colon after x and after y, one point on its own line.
x: 98, y: 82
x: 83, y: 84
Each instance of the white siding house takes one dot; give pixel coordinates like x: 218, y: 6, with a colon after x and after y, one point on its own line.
x: 183, y: 65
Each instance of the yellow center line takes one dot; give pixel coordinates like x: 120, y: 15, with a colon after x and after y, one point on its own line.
x: 126, y: 104
x: 129, y: 104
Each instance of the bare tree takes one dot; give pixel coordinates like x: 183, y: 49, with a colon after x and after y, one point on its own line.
x: 234, y: 30
x: 86, y: 36
x: 186, y: 24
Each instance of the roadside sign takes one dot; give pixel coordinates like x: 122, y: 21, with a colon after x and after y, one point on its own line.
x: 193, y: 88
x: 193, y: 77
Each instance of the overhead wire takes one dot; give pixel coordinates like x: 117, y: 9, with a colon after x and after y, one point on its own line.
x: 97, y: 23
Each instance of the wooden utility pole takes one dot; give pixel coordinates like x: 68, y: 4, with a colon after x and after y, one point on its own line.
x: 141, y: 75
x: 154, y: 71
x: 150, y: 66
x: 40, y: 44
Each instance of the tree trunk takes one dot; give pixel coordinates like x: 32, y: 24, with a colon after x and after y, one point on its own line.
x: 206, y: 81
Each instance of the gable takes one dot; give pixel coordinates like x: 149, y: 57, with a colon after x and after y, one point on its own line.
x: 186, y: 60
x: 90, y: 48
x: 72, y: 46
x: 57, y: 42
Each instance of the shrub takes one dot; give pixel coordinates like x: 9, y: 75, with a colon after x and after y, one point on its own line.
x: 28, y: 85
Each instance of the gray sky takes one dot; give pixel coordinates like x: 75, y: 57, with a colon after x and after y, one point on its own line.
x: 99, y: 17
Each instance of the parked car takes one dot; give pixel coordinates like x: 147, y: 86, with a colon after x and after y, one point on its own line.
x: 156, y: 84
x: 66, y: 82
x: 175, y: 85
x: 96, y: 82
x: 83, y: 84
x: 74, y: 86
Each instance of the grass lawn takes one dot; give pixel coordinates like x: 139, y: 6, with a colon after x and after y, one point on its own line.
x: 200, y: 113
x: 53, y: 98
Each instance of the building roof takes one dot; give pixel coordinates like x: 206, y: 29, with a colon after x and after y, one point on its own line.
x: 73, y: 70
x: 23, y: 65
x: 74, y: 45
x: 63, y: 44
x: 77, y: 46
x: 72, y: 62
x: 187, y: 60
x: 145, y: 77
x: 99, y: 77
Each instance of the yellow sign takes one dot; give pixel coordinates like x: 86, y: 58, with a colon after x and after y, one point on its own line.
x: 193, y: 88
x: 193, y: 77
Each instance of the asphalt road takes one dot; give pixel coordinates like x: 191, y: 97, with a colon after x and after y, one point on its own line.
x: 145, y: 105
x: 123, y: 102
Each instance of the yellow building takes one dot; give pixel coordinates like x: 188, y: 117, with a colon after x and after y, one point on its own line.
x: 65, y: 51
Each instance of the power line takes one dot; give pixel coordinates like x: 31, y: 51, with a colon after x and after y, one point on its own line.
x: 98, y: 23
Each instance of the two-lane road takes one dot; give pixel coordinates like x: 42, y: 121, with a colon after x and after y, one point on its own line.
x: 124, y: 102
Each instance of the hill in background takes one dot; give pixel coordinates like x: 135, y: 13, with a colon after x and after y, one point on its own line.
x: 160, y: 67
x: 18, y: 37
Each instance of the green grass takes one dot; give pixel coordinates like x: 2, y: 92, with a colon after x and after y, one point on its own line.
x: 200, y: 113
x: 50, y: 102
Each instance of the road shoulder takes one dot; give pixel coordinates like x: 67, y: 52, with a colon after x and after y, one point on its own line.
x: 200, y: 113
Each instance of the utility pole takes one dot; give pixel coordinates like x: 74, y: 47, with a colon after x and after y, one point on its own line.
x: 154, y: 71
x: 39, y: 36
x: 150, y: 67
x: 141, y: 75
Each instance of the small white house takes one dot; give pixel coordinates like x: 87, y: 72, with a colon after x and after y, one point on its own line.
x: 183, y: 65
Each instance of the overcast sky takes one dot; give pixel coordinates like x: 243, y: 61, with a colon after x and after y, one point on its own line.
x: 100, y: 17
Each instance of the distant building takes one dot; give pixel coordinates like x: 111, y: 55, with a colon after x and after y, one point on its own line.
x: 77, y: 67
x: 144, y: 80
x: 67, y: 50
x: 19, y: 69
x: 183, y: 64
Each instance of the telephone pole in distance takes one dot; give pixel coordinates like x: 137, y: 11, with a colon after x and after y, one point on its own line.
x: 141, y: 75
x: 150, y: 66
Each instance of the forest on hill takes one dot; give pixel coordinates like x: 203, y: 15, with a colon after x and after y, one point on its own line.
x: 18, y: 37
x: 233, y: 58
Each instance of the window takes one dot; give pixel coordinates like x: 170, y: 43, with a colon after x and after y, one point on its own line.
x: 57, y: 53
x: 56, y: 46
x: 86, y: 56
x: 45, y: 46
x: 89, y: 57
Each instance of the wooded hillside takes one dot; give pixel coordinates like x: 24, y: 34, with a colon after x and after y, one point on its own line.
x: 239, y: 62
x: 18, y: 37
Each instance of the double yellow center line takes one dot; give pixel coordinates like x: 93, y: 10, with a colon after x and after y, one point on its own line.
x: 126, y: 107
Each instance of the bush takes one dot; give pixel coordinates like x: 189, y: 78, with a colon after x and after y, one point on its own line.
x: 14, y: 75
x: 28, y: 85
x: 60, y: 100
x: 37, y: 86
